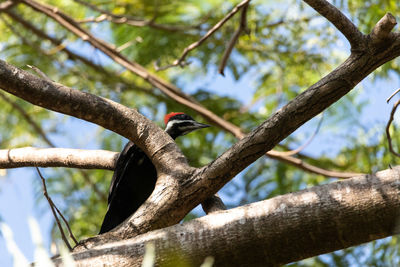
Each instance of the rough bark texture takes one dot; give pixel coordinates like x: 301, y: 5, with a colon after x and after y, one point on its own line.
x: 273, y: 232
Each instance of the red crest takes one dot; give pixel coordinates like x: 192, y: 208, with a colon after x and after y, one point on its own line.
x: 168, y: 116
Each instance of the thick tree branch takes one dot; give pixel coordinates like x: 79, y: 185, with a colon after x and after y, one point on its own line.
x: 273, y: 232
x: 57, y: 157
x: 341, y: 22
x: 155, y: 142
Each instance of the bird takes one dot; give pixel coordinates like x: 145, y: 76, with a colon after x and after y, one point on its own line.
x: 135, y: 176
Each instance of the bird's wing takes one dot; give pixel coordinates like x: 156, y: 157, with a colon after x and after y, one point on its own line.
x: 123, y: 161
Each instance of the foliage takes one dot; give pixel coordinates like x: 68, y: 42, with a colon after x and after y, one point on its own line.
x: 288, y: 48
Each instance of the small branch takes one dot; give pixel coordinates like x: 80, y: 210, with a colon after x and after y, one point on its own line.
x: 213, y: 204
x: 300, y: 148
x: 119, y: 19
x: 383, y: 28
x: 53, y: 207
x: 341, y: 22
x: 40, y: 73
x: 388, y: 131
x: 181, y: 60
x: 301, y: 164
x: 57, y: 157
x: 234, y: 39
x: 392, y: 95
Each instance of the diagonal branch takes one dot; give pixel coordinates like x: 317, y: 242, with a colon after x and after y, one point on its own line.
x: 341, y: 22
x: 234, y: 39
x: 53, y: 210
x: 391, y: 149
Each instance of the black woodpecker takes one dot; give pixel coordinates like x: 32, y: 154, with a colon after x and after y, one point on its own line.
x: 135, y: 176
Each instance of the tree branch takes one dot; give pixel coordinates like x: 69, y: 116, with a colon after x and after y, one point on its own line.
x: 341, y: 22
x: 123, y: 19
x: 272, y: 232
x: 383, y: 28
x: 57, y: 157
x: 234, y: 39
x: 391, y: 149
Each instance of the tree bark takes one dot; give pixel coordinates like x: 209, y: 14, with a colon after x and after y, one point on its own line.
x: 272, y: 232
x: 57, y: 157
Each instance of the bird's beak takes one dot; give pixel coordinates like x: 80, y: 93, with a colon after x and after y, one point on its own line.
x: 194, y: 126
x: 199, y: 125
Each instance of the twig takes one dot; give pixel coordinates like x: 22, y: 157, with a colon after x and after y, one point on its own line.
x: 53, y: 207
x: 388, y: 126
x: 128, y: 20
x: 234, y: 39
x: 300, y: 148
x: 341, y: 22
x: 41, y: 73
x: 71, y: 235
x: 301, y: 164
x: 210, y: 32
x: 392, y: 95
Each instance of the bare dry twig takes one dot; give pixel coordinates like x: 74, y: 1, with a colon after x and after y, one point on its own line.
x: 53, y: 210
x: 300, y: 148
x: 391, y: 149
x: 181, y: 60
x: 392, y: 95
x: 234, y: 39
